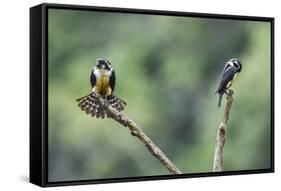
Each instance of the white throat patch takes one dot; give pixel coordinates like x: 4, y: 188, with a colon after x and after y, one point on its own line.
x: 102, y: 73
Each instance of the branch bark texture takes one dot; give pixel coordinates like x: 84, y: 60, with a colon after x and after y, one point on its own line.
x: 137, y: 131
x: 220, y: 141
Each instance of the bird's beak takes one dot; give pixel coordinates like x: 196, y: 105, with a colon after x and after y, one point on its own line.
x: 99, y: 66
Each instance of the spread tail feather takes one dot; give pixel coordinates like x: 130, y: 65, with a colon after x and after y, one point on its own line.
x: 90, y: 105
x: 116, y: 103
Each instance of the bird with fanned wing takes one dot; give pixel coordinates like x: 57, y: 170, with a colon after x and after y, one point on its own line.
x: 102, y: 79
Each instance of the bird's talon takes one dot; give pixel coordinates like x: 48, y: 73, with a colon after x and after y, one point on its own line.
x: 230, y: 92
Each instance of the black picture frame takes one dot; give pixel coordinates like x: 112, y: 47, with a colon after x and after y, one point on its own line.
x: 39, y: 93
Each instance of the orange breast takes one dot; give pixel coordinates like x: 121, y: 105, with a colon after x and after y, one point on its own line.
x: 102, y: 86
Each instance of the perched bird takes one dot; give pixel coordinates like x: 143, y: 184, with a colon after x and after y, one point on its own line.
x: 102, y: 79
x: 231, y: 68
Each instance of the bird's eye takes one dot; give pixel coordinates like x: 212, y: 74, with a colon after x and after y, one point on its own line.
x: 236, y: 65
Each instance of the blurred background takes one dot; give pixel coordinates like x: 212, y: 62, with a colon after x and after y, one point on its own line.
x: 167, y: 69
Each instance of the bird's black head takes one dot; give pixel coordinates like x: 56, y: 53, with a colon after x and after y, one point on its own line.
x: 236, y: 64
x: 102, y: 63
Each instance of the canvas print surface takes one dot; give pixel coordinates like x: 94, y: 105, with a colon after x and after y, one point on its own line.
x: 167, y: 70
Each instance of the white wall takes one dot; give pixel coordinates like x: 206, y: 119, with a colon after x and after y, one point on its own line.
x: 14, y: 84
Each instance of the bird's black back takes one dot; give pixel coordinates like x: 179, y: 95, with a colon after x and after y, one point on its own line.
x: 227, y: 76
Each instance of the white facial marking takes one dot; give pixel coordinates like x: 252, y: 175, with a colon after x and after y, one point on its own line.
x: 101, y: 72
x: 236, y: 64
x: 108, y: 72
x: 230, y: 63
x: 107, y: 62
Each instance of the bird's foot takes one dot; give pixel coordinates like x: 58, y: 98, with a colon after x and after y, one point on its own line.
x: 229, y: 92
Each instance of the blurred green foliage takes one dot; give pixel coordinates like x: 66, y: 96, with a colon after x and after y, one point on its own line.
x: 168, y: 69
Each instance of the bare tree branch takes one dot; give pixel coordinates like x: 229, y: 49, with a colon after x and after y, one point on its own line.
x: 218, y: 157
x: 136, y: 131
